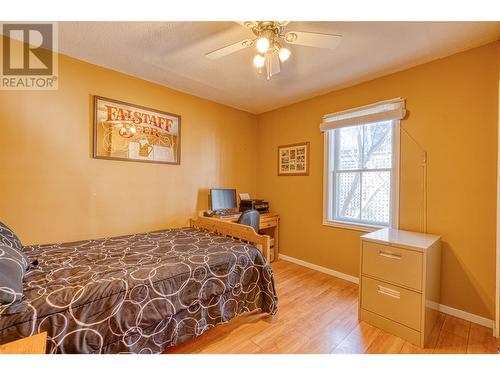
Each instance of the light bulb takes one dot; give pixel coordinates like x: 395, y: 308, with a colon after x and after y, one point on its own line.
x: 284, y: 54
x: 262, y: 44
x: 258, y: 61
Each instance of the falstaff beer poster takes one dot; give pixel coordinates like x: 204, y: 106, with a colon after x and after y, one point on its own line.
x: 124, y: 131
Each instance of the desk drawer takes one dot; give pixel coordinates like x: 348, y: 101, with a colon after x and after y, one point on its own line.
x: 398, y: 304
x: 393, y: 264
x: 267, y: 224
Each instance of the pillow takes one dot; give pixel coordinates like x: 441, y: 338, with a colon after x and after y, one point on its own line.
x: 12, y: 270
x: 9, y: 238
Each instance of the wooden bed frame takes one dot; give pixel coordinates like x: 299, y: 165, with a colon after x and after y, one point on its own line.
x: 234, y: 230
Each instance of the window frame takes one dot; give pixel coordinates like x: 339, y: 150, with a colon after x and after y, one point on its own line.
x: 329, y: 184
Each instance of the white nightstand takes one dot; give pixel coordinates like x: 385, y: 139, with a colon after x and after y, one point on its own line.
x: 400, y: 282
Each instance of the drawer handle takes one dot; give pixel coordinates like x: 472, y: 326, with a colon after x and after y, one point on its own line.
x: 388, y: 292
x: 386, y: 254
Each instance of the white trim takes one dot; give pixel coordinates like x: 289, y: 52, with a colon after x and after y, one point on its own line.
x: 442, y: 308
x: 326, y: 177
x: 352, y: 226
x: 329, y: 184
x: 466, y: 316
x: 497, y: 288
x: 328, y: 271
x: 395, y: 167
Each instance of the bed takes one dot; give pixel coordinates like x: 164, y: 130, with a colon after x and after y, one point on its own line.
x: 141, y: 293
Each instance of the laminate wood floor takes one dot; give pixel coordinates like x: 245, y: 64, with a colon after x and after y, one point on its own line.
x: 318, y: 313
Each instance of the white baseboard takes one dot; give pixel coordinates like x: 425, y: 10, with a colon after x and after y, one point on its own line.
x: 328, y: 271
x: 442, y: 308
x: 466, y: 316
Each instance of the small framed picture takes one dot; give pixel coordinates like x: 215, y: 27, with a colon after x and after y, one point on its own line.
x: 293, y: 160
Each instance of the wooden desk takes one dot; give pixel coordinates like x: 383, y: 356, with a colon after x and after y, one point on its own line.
x: 35, y: 344
x: 269, y: 224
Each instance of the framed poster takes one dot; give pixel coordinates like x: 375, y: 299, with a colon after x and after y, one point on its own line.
x: 293, y: 160
x: 124, y: 131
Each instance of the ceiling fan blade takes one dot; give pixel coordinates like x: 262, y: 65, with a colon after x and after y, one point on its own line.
x: 247, y: 24
x: 320, y: 40
x: 224, y: 51
x: 282, y: 23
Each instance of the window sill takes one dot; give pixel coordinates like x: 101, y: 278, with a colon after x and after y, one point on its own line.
x: 351, y: 226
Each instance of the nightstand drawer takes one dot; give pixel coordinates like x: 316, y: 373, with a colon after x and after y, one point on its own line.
x: 267, y: 224
x: 392, y: 264
x: 398, y: 304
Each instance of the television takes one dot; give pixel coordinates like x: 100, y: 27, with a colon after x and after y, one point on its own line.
x: 222, y: 200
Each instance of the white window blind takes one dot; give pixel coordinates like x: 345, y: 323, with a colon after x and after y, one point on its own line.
x: 387, y: 110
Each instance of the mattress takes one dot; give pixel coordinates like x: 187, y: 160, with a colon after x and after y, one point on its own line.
x: 139, y: 293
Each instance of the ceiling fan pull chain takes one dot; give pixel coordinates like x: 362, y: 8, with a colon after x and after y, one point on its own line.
x: 268, y: 67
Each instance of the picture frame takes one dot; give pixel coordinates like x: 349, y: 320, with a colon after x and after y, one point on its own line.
x: 130, y: 132
x: 293, y: 159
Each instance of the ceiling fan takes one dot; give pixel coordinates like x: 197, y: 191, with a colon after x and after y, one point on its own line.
x: 270, y: 41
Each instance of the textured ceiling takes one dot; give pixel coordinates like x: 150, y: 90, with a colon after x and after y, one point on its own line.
x: 173, y: 54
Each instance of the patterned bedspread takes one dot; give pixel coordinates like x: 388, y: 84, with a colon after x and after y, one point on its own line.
x: 139, y: 293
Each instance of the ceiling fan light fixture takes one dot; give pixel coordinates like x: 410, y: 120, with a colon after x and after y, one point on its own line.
x: 262, y: 44
x: 259, y: 61
x: 268, y: 38
x: 284, y: 54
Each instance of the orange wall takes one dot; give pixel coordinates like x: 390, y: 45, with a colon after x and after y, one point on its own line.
x: 53, y: 190
x: 453, y: 106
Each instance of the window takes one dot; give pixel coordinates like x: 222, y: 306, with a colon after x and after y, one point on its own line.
x: 362, y: 166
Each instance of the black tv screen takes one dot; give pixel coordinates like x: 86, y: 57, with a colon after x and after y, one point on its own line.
x: 223, y: 199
